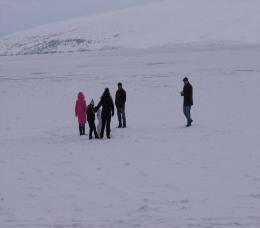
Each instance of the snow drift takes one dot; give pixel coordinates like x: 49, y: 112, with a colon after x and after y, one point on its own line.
x: 163, y: 23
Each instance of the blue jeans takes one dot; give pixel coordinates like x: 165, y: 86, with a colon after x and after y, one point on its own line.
x: 121, y: 116
x: 186, y: 111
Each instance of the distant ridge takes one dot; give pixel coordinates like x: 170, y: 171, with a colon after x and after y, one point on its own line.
x: 169, y: 22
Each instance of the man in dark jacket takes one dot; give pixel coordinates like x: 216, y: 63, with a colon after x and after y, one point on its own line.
x: 107, y: 111
x: 120, y: 105
x: 187, y: 94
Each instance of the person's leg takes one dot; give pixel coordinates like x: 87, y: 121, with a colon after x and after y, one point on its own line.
x: 186, y: 111
x: 108, y: 126
x: 123, y: 116
x: 90, y: 130
x: 189, y: 115
x: 80, y: 129
x: 103, y: 126
x: 95, y: 131
x: 119, y: 115
x: 83, y: 129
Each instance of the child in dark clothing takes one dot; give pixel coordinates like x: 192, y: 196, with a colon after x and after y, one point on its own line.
x: 91, y: 120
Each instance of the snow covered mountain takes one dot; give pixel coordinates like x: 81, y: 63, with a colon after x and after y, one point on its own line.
x: 163, y: 23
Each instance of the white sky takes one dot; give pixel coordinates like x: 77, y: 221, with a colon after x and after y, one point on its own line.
x: 16, y: 15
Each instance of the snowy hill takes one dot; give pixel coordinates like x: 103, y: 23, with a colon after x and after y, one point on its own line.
x: 158, y: 24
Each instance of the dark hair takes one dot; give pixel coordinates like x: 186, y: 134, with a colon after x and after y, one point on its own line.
x: 119, y: 83
x: 185, y: 79
x: 106, y: 93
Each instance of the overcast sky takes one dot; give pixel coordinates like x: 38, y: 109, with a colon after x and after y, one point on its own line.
x: 16, y: 15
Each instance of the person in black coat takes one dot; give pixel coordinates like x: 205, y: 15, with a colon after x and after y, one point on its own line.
x: 187, y: 94
x: 120, y: 105
x: 91, y: 120
x: 107, y: 104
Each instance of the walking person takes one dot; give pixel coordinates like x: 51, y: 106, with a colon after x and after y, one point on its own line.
x: 187, y: 94
x: 91, y: 120
x: 81, y: 112
x: 120, y: 101
x: 107, y: 104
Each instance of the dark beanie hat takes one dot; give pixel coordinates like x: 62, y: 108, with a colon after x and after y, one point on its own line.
x: 185, y: 79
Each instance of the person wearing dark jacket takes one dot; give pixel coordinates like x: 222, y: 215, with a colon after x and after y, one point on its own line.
x: 120, y: 105
x: 91, y: 120
x: 187, y: 94
x: 107, y: 111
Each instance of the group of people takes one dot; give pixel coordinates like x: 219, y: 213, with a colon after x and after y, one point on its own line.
x: 86, y: 113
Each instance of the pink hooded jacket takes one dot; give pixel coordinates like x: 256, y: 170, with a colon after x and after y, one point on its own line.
x: 81, y: 109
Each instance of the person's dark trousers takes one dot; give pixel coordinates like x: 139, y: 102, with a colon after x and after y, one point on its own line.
x: 105, y: 124
x: 186, y: 111
x: 121, y: 117
x: 81, y: 129
x: 92, y: 128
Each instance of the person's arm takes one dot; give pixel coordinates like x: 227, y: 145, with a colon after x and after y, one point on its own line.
x: 112, y: 107
x: 98, y: 106
x: 124, y: 96
x: 183, y: 91
x: 190, y: 93
x: 116, y: 98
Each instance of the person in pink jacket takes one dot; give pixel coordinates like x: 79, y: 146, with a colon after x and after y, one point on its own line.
x: 81, y: 112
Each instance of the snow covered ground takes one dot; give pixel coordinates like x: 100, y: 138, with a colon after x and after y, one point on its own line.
x: 155, y: 173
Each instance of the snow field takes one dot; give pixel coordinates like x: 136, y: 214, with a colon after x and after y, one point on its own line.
x: 154, y: 173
